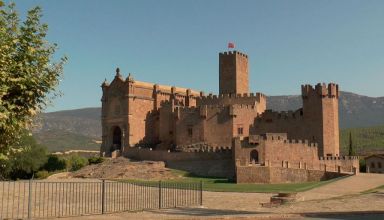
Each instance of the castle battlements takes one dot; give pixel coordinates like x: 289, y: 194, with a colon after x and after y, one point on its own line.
x: 229, y: 53
x: 321, y: 89
x: 278, y: 137
x: 283, y: 115
x: 231, y: 99
x: 340, y: 158
x: 186, y: 109
x: 243, y: 106
x: 257, y: 95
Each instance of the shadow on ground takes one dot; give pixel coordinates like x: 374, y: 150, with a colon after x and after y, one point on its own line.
x: 203, y: 212
x: 354, y: 215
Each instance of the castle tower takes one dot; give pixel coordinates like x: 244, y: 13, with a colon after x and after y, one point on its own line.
x: 320, y: 109
x: 233, y: 73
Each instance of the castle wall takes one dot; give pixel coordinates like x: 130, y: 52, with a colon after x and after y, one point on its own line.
x: 213, y: 163
x: 258, y: 174
x: 258, y: 100
x: 292, y: 123
x: 218, y: 126
x: 139, y: 118
x: 222, y: 168
x: 213, y: 124
x: 276, y: 150
x: 242, y: 116
x: 346, y: 164
x: 189, y: 126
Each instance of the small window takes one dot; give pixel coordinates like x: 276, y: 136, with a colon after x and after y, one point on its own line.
x: 372, y: 165
x: 269, y: 120
x: 378, y: 164
x: 190, y: 131
x: 240, y: 130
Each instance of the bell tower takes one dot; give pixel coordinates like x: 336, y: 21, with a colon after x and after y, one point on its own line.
x: 233, y: 73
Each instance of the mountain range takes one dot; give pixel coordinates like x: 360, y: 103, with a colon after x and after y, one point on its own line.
x: 54, y: 129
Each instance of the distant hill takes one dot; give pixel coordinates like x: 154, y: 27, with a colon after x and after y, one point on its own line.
x: 59, y: 140
x: 84, y: 125
x: 364, y: 140
x: 85, y: 121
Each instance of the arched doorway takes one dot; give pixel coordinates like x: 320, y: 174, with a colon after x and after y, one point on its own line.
x: 116, y: 139
x: 254, y: 156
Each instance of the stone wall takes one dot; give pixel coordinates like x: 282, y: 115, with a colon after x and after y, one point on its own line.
x: 261, y: 174
x: 276, y: 151
x: 214, y: 163
x: 222, y: 168
x: 213, y: 124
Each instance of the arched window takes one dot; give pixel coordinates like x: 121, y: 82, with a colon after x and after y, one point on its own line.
x: 378, y: 164
x: 254, y: 156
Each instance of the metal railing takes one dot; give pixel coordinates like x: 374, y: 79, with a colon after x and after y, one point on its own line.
x: 42, y: 199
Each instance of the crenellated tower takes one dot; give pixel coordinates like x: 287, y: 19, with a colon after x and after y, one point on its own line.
x: 320, y: 108
x: 233, y: 73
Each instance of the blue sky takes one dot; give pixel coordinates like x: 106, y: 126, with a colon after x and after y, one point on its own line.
x: 177, y: 42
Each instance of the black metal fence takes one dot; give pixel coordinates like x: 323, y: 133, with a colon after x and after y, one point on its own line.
x: 42, y: 199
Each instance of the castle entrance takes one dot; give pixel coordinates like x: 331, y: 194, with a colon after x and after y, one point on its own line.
x: 254, y: 156
x: 116, y: 141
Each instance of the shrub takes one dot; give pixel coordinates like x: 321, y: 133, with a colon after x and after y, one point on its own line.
x: 42, y: 174
x: 77, y: 162
x: 55, y: 163
x: 95, y: 160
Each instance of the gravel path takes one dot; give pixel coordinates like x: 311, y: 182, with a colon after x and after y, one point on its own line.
x: 346, y: 186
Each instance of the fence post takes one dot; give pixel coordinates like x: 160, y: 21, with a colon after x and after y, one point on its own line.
x: 103, y: 197
x: 201, y: 193
x: 30, y: 199
x: 160, y: 194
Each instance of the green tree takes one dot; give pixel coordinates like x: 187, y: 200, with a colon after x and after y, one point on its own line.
x: 28, y: 73
x: 26, y: 158
x: 351, y: 150
x: 55, y: 163
x: 77, y: 162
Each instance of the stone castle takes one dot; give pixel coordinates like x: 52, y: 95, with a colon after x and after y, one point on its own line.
x: 150, y: 121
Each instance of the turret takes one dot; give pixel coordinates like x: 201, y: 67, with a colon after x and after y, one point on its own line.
x: 320, y: 108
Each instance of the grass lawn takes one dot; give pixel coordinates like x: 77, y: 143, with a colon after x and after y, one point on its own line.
x: 224, y: 185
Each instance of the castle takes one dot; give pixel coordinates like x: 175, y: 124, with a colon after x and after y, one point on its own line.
x: 157, y: 119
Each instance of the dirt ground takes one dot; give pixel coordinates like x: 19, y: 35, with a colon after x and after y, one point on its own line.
x: 123, y: 168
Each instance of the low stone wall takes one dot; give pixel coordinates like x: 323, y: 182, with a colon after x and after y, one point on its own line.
x: 261, y: 174
x: 212, y: 164
x: 208, y: 168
